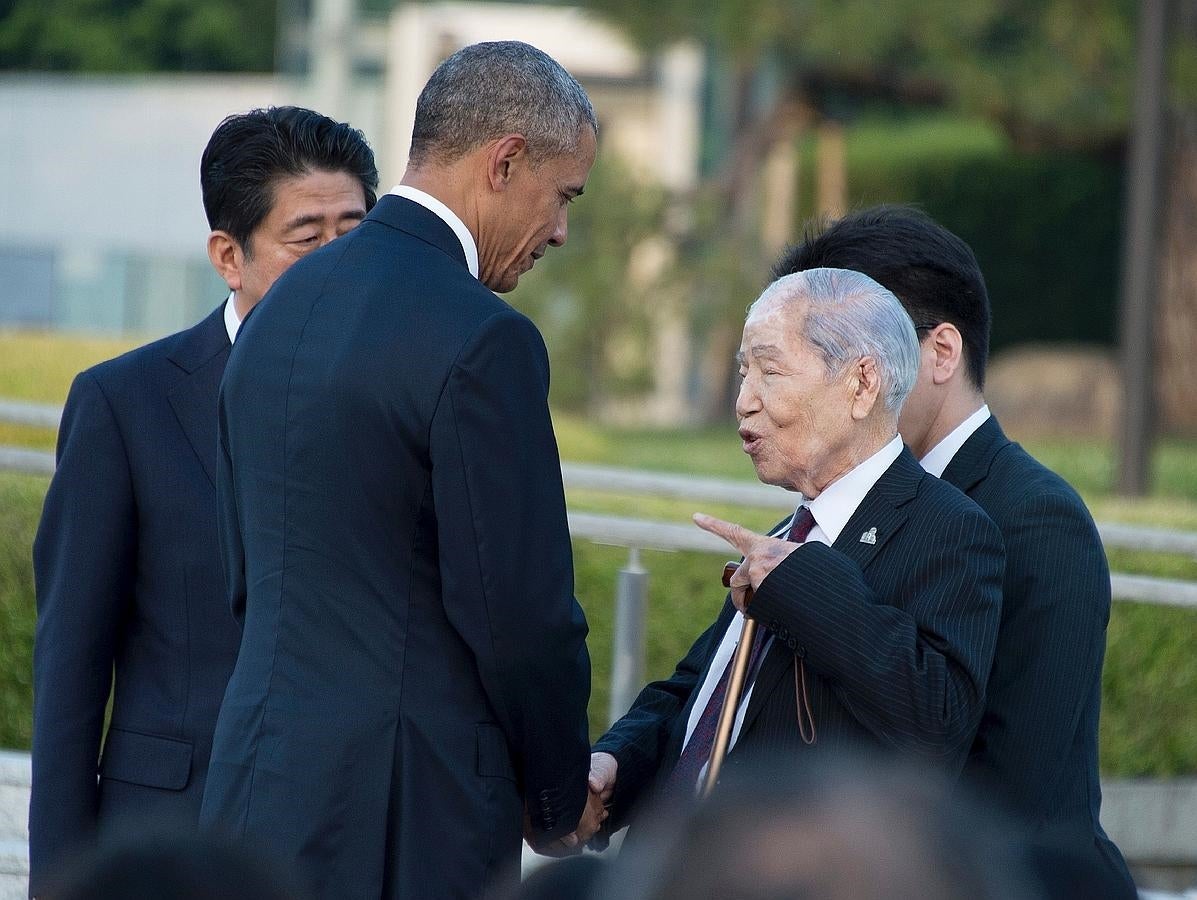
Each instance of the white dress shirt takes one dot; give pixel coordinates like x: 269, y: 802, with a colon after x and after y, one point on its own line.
x: 232, y: 321
x: 831, y: 510
x: 449, y: 217
x: 937, y: 459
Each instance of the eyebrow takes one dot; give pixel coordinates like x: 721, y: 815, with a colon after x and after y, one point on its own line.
x: 760, y: 350
x: 766, y: 350
x: 315, y: 218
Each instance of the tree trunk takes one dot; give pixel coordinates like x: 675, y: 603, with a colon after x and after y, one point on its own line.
x: 1176, y: 321
x: 751, y: 228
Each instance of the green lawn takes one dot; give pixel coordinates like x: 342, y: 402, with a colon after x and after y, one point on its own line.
x: 1149, y: 723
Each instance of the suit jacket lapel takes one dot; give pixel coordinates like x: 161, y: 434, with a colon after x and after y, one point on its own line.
x: 881, y: 512
x: 882, y: 509
x: 201, y: 354
x: 972, y: 461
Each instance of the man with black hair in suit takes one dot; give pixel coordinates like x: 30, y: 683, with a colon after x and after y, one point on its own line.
x: 1035, y: 753
x: 877, y: 603
x: 130, y: 594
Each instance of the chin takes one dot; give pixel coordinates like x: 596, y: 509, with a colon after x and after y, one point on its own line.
x: 765, y: 475
x: 505, y: 282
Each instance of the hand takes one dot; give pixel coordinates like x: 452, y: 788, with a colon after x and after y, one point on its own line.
x: 602, y: 775
x: 592, y: 820
x: 761, y: 553
x: 593, y: 816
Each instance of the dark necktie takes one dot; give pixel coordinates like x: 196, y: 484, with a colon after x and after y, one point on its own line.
x: 684, y: 777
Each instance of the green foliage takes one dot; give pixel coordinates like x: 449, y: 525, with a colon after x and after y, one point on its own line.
x: 1148, y: 720
x: 1183, y: 73
x: 39, y: 366
x: 1149, y: 725
x: 20, y: 506
x: 1009, y: 205
x: 584, y: 296
x: 1058, y: 68
x: 138, y: 35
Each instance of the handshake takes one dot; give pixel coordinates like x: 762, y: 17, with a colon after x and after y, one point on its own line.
x: 602, y: 786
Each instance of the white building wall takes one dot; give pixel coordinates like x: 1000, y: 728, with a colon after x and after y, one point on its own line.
x: 101, y: 221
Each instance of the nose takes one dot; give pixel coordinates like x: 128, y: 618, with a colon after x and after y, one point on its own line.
x: 747, y: 399
x: 560, y: 229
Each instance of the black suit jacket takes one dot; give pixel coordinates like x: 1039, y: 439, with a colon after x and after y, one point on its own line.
x: 1036, y: 750
x: 897, y: 637
x: 130, y: 597
x: 413, y: 668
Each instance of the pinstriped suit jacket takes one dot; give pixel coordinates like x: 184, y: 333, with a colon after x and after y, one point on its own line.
x: 897, y: 635
x: 1036, y: 749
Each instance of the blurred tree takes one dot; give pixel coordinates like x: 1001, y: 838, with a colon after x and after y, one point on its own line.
x: 594, y: 296
x: 1176, y: 320
x: 1054, y: 74
x: 137, y: 35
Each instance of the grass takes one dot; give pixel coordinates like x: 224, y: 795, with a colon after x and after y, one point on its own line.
x: 1149, y: 722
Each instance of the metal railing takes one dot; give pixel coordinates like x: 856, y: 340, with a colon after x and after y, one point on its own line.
x: 637, y: 535
x: 631, y: 592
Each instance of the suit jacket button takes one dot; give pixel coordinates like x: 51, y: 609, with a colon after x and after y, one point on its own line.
x: 800, y: 652
x: 793, y: 643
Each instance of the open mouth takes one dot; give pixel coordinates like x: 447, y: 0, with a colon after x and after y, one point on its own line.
x: 752, y: 441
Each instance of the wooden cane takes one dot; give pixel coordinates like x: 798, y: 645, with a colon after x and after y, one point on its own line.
x: 735, y: 688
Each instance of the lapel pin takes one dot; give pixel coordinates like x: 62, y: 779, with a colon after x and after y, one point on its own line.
x: 869, y: 537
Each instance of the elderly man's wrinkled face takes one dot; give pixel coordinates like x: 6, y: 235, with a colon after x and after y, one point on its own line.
x: 795, y: 423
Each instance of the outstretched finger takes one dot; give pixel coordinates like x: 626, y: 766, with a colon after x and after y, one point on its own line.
x: 736, y: 535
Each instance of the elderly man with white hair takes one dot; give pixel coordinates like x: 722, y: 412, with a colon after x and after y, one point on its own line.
x: 878, y: 600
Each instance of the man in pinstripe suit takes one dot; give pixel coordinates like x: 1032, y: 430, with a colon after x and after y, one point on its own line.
x: 879, y: 613
x: 1036, y: 750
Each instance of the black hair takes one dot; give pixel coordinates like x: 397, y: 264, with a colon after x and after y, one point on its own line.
x: 931, y: 271
x: 248, y: 154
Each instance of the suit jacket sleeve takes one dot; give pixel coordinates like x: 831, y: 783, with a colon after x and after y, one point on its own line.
x: 507, y: 564
x: 911, y: 668
x: 639, y: 739
x: 1055, y: 635
x: 84, y: 565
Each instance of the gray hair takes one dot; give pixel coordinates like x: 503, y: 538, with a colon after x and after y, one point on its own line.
x: 849, y: 316
x: 485, y: 91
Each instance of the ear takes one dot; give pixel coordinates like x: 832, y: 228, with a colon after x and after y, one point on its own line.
x: 866, y: 381
x: 227, y: 258
x: 503, y: 159
x: 947, y: 344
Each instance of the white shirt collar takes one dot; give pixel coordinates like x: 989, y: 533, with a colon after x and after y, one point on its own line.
x: 834, y: 507
x: 937, y: 459
x: 232, y: 321
x: 450, y: 218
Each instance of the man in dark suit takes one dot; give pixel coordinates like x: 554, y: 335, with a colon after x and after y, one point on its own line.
x: 413, y: 677
x: 1036, y: 751
x: 130, y: 594
x: 878, y: 615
